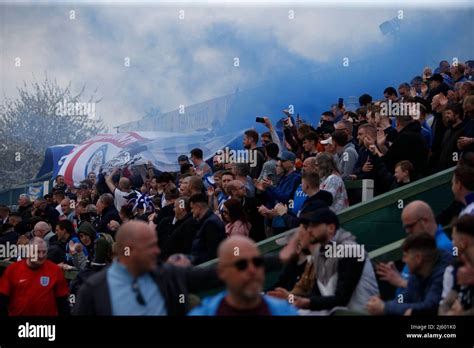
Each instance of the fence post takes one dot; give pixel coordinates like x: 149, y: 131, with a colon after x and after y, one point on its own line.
x: 367, y: 189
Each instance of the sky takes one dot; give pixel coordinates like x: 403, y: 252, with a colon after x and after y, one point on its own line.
x: 281, y: 49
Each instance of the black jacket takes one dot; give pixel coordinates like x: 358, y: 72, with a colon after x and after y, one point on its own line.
x: 210, y: 232
x: 25, y: 212
x: 259, y: 155
x: 10, y: 236
x: 177, y: 238
x: 108, y: 214
x: 439, y: 128
x: 94, y: 298
x: 450, y: 146
x: 409, y: 145
x: 57, y: 251
x: 250, y: 206
x: 349, y: 272
x: 166, y: 211
x: 364, y: 154
x: 181, y: 240
x: 290, y: 275
x: 322, y: 199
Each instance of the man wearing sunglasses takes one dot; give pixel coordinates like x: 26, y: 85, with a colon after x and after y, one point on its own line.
x: 240, y: 267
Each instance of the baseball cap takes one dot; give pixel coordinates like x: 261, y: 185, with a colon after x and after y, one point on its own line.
x: 320, y: 216
x: 436, y: 77
x: 80, y: 186
x: 183, y: 158
x: 287, y: 156
x: 326, y: 141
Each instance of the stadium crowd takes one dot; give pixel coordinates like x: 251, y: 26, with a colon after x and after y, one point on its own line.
x: 135, y: 238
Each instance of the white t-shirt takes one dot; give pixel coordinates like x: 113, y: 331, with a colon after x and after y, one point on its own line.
x: 119, y: 198
x: 59, y: 209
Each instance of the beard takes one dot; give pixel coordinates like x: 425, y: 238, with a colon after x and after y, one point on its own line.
x: 250, y: 293
x: 451, y: 122
x: 306, y: 251
x: 319, y: 240
x: 322, y: 238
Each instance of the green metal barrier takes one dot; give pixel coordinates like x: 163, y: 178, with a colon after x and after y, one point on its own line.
x: 376, y: 223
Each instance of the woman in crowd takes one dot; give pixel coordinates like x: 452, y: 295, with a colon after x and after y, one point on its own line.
x: 331, y: 181
x: 234, y: 216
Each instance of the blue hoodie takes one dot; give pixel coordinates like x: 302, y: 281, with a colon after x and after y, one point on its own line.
x: 422, y: 295
x: 210, y: 305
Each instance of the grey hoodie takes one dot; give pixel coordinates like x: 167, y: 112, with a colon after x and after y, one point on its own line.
x: 346, y: 160
x: 349, y: 284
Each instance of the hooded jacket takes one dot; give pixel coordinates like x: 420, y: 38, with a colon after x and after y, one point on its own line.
x: 211, y: 304
x: 346, y: 160
x: 342, y: 281
x: 89, y: 253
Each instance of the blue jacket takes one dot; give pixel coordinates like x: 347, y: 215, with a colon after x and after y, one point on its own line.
x: 285, y: 189
x: 442, y: 242
x: 210, y: 305
x: 422, y: 295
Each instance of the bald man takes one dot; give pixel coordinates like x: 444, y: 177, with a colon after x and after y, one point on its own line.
x: 135, y: 284
x: 67, y: 207
x: 34, y: 286
x: 43, y: 231
x: 121, y: 191
x: 240, y: 267
x: 417, y: 218
x: 236, y: 189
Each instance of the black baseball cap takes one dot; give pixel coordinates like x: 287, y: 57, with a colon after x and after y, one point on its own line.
x: 436, y: 77
x: 320, y: 216
x: 183, y: 158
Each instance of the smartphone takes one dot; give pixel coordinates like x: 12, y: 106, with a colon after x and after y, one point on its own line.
x: 259, y: 119
x: 340, y: 103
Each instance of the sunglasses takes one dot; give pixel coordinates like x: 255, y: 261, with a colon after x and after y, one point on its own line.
x: 139, y: 296
x: 243, y: 264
